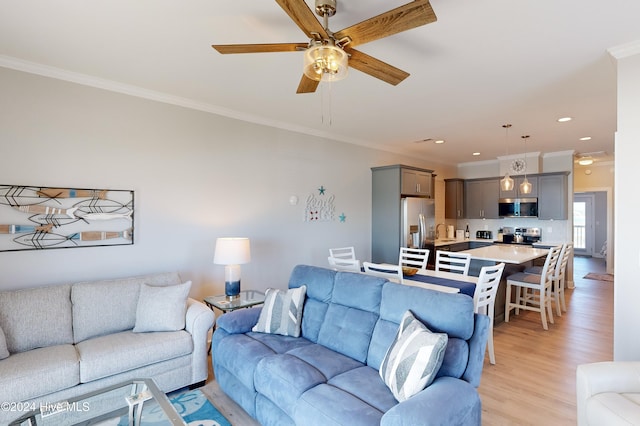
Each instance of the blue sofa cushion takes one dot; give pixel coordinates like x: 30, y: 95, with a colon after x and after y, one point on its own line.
x: 365, y: 384
x: 348, y: 331
x: 413, y: 359
x: 319, y: 283
x: 284, y: 378
x: 282, y: 312
x: 325, y: 405
x: 440, y: 312
x: 352, y: 314
x: 328, y: 362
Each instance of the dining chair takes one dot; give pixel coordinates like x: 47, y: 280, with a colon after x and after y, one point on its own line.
x: 453, y: 262
x: 343, y: 252
x: 521, y: 282
x: 484, y: 299
x: 340, y: 264
x: 384, y: 270
x: 413, y: 257
x: 559, y: 274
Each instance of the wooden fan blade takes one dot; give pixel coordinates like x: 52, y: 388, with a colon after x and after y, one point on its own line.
x: 400, y: 19
x: 304, y: 18
x: 259, y: 48
x: 307, y: 85
x: 375, y: 67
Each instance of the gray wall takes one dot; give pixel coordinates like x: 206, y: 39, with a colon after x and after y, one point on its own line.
x: 196, y: 176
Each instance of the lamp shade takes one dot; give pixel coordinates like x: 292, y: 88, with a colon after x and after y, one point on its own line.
x: 232, y: 251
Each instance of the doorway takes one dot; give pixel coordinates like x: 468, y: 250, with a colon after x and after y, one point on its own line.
x: 583, y: 230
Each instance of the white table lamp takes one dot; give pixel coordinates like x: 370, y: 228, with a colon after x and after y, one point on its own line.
x: 232, y: 252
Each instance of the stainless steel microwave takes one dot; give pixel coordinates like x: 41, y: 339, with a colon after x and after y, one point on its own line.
x: 518, y: 207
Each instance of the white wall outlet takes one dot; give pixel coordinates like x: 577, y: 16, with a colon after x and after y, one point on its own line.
x: 486, y: 227
x: 549, y: 230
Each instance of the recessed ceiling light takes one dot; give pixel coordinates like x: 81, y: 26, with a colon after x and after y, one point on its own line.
x: 586, y: 138
x: 476, y: 154
x: 564, y: 119
x: 439, y: 141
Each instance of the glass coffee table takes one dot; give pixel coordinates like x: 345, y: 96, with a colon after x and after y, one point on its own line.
x: 134, y: 401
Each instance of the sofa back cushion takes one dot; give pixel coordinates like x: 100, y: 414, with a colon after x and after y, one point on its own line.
x: 37, y: 317
x: 440, y: 312
x: 352, y: 314
x: 109, y: 306
x: 319, y: 282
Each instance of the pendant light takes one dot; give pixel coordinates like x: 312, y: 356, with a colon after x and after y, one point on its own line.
x: 506, y: 184
x: 525, y: 186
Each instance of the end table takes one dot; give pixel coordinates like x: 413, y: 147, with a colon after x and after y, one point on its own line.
x: 246, y: 299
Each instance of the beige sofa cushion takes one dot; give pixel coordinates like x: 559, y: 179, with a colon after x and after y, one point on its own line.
x: 36, y: 318
x: 109, y: 306
x: 4, y: 352
x: 116, y: 353
x: 38, y: 372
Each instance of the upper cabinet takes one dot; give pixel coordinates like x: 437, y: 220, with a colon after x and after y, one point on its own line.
x: 553, y: 196
x: 416, y: 182
x: 515, y: 192
x: 481, y: 198
x: 454, y: 199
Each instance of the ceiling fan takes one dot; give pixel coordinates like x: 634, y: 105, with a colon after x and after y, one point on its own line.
x: 326, y: 52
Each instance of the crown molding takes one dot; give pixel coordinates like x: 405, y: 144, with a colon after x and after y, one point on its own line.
x: 625, y: 50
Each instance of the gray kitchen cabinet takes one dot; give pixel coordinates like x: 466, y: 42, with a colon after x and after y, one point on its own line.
x: 454, y: 199
x: 515, y: 192
x: 553, y: 196
x: 386, y: 209
x: 416, y: 182
x: 481, y: 198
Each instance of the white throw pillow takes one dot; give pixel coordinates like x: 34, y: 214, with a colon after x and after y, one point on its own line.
x: 413, y: 359
x: 162, y: 308
x: 4, y: 352
x: 282, y: 312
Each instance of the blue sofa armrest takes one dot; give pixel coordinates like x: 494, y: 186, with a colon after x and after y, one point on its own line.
x: 240, y: 321
x: 447, y: 401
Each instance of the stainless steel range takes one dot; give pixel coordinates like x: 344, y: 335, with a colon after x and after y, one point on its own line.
x: 523, y: 236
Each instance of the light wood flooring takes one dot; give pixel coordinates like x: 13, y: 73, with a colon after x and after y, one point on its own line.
x: 533, y: 381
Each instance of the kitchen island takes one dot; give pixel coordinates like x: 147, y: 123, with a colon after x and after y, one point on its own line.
x: 515, y: 257
x: 509, y: 254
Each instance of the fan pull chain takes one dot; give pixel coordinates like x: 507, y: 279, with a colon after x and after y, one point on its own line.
x: 326, y: 103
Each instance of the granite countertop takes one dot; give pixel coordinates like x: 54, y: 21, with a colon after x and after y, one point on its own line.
x: 513, y: 254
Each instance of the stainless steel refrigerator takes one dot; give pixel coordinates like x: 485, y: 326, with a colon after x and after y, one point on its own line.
x: 417, y: 222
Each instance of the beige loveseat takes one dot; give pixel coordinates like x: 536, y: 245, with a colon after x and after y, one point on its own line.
x: 60, y: 341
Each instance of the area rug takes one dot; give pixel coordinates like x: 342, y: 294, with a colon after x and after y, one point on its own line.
x: 193, y: 406
x: 599, y: 277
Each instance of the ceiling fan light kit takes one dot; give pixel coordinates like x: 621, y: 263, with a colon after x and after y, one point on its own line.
x: 325, y: 62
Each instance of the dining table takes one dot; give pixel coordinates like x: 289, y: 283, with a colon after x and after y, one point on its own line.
x: 447, y: 282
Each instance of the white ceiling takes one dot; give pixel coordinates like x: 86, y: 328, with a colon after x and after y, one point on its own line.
x: 482, y: 64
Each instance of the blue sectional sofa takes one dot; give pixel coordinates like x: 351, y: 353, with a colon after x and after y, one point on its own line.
x: 329, y: 375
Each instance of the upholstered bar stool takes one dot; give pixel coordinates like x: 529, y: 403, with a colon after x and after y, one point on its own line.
x: 539, y: 284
